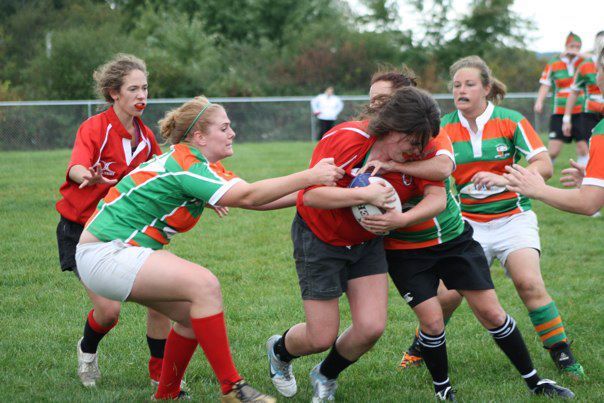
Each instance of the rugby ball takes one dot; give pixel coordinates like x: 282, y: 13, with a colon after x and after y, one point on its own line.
x: 362, y: 210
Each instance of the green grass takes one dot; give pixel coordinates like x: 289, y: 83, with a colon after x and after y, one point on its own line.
x: 42, y: 310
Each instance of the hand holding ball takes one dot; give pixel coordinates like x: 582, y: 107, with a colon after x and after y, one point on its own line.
x: 362, y: 210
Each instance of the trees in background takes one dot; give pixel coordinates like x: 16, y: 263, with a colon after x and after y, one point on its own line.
x: 49, y: 48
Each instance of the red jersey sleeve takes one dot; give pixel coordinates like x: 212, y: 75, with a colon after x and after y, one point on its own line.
x: 422, y: 183
x: 86, y: 148
x: 444, y: 146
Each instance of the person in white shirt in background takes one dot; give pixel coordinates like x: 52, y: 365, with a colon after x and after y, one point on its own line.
x: 326, y: 107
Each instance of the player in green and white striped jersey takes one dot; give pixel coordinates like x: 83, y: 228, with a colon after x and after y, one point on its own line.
x: 119, y: 255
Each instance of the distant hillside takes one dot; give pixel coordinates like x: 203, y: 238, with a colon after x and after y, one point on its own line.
x: 546, y: 55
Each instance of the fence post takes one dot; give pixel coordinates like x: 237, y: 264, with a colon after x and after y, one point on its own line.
x: 312, y: 124
x: 89, y: 109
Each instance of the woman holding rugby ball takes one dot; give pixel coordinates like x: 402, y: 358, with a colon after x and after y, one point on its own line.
x: 335, y: 255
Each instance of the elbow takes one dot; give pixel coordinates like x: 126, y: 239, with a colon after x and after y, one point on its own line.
x: 590, y: 209
x: 548, y: 171
x: 445, y: 171
x: 308, y: 200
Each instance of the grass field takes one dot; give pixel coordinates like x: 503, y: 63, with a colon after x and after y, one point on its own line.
x: 43, y: 310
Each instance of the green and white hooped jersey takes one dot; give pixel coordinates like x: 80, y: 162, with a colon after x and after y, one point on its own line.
x: 503, y: 137
x: 161, y: 198
x: 444, y: 227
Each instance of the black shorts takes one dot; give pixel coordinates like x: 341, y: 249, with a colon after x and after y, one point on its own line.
x: 555, y: 129
x: 68, y: 236
x: 460, y: 263
x: 587, y: 123
x: 324, y: 270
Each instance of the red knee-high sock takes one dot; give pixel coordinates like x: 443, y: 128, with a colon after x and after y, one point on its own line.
x: 177, y: 355
x: 155, y: 365
x: 212, y: 337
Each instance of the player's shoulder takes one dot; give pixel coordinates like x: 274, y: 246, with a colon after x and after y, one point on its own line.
x: 554, y: 59
x: 499, y: 112
x: 449, y: 118
x: 95, y: 125
x: 352, y: 131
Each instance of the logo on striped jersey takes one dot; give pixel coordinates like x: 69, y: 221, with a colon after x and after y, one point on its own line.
x: 502, y: 151
x: 481, y: 192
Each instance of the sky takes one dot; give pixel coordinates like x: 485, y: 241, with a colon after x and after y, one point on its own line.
x: 553, y: 20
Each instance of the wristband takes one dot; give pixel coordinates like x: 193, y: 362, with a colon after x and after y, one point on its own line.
x: 566, y: 119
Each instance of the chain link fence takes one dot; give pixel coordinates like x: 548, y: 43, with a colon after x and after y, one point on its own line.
x: 43, y: 125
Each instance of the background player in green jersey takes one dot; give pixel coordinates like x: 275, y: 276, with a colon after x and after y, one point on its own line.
x: 589, y: 197
x: 120, y: 252
x: 557, y: 77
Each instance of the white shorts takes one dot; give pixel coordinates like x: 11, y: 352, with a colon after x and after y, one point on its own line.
x: 109, y: 268
x: 503, y: 236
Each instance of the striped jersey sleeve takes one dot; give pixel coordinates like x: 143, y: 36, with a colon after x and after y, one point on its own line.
x: 208, y: 182
x: 545, y: 75
x: 585, y: 81
x: 594, y: 173
x: 526, y: 139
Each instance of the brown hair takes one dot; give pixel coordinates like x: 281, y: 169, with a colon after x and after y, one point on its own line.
x: 110, y: 76
x: 174, y: 124
x: 410, y: 111
x: 498, y: 89
x: 398, y: 78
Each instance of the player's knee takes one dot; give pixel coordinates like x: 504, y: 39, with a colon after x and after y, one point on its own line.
x: 530, y: 288
x: 322, y: 342
x: 204, y: 284
x: 371, y: 331
x: 107, y: 313
x: 432, y: 326
x: 493, y: 317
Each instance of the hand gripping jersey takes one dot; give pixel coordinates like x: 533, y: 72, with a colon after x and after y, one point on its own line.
x: 594, y: 173
x: 348, y: 143
x: 160, y: 198
x: 503, y: 137
x: 102, y: 140
x: 558, y: 74
x: 585, y: 81
x: 442, y: 228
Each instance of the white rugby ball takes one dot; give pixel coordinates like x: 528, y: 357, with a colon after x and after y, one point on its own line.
x: 363, y: 210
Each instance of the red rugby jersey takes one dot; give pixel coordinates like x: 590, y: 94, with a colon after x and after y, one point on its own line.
x: 103, y: 140
x: 348, y: 143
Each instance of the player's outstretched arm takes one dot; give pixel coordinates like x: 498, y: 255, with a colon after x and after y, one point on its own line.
x: 336, y: 197
x: 586, y: 200
x: 437, y: 168
x: 249, y: 195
